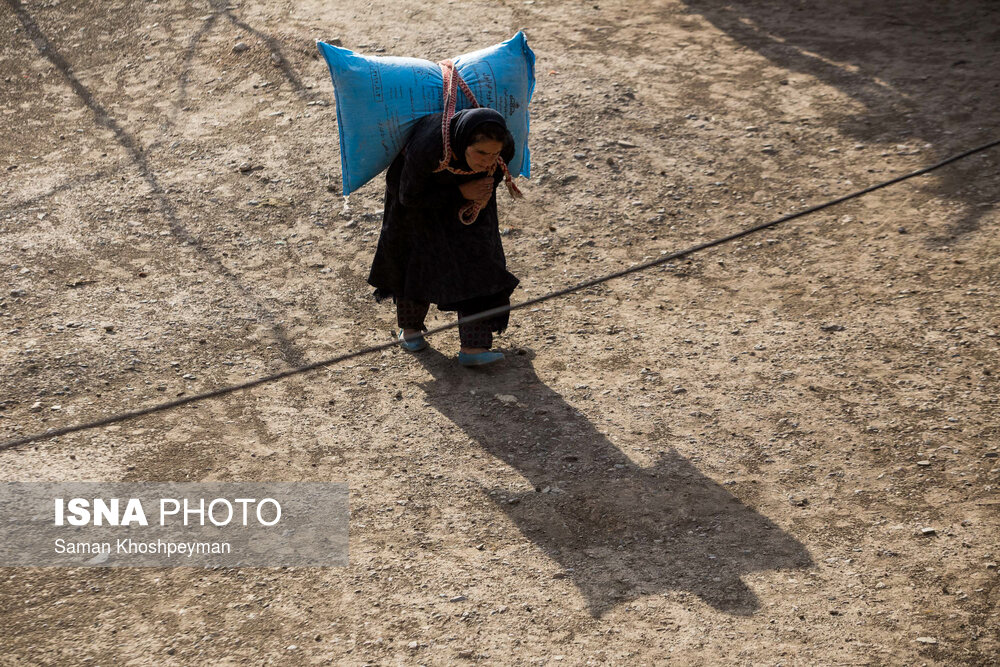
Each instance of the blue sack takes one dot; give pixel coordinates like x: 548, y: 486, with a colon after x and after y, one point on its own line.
x: 380, y: 99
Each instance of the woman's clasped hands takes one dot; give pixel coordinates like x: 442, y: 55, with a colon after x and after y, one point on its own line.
x: 479, y: 190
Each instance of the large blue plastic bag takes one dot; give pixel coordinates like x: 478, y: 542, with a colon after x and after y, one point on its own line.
x: 380, y: 99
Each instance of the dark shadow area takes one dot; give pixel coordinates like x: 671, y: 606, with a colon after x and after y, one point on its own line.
x: 619, y: 531
x: 291, y: 353
x: 926, y: 71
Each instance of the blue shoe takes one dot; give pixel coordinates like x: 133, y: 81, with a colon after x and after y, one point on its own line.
x: 411, y: 344
x: 479, y: 358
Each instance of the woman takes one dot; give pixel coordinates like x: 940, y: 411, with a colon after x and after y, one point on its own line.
x: 426, y: 253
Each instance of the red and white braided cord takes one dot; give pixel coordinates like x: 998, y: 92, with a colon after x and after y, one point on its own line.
x: 452, y: 82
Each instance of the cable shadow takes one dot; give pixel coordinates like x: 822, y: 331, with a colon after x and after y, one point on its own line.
x: 222, y: 7
x: 62, y: 187
x: 919, y: 67
x: 189, y: 56
x: 618, y: 530
x: 292, y: 354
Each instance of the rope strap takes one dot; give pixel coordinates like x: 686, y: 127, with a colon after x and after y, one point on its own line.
x: 469, y: 213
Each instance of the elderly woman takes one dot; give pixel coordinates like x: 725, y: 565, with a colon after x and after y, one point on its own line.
x: 440, y: 240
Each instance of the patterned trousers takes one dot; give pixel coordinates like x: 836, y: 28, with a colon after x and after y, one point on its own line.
x: 410, y: 315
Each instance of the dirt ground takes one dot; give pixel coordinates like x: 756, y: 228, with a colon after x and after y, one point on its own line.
x: 783, y: 451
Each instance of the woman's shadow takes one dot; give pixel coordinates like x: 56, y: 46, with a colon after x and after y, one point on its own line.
x: 619, y: 531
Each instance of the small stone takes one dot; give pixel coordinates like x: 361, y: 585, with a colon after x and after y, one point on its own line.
x: 240, y: 47
x: 506, y: 399
x: 245, y: 167
x: 923, y: 463
x: 56, y: 408
x: 927, y: 531
x: 559, y: 575
x: 625, y: 144
x: 769, y: 150
x: 107, y: 326
x: 927, y: 640
x: 412, y: 645
x: 679, y: 390
x: 831, y: 327
x: 189, y: 376
x: 901, y: 230
x: 458, y: 598
x: 567, y: 179
x: 398, y: 395
x: 292, y: 647
x: 36, y: 406
x: 350, y: 224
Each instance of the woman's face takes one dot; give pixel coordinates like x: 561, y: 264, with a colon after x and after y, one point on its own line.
x: 481, y: 155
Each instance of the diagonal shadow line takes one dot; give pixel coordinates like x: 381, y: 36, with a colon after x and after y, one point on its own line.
x: 189, y: 56
x: 619, y: 531
x: 291, y: 353
x: 68, y: 185
x: 221, y: 6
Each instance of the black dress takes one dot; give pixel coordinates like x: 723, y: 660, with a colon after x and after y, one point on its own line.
x: 425, y: 254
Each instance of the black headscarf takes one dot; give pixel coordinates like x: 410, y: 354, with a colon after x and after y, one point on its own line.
x: 464, y: 125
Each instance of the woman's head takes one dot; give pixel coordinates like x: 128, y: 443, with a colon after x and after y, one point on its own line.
x: 479, y: 136
x: 485, y: 146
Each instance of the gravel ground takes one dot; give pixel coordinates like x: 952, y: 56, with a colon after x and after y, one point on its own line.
x: 781, y: 451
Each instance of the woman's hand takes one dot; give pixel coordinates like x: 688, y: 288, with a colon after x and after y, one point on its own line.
x: 478, y: 190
